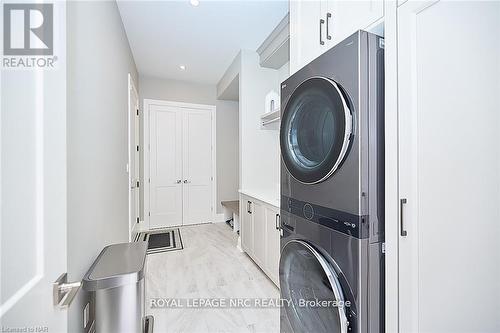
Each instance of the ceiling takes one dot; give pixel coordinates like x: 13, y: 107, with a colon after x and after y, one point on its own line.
x: 166, y: 34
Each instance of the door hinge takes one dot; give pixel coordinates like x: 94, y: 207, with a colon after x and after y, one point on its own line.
x: 383, y: 247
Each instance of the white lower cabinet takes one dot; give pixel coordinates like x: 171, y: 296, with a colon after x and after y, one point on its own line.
x: 246, y: 225
x: 260, y: 234
x: 272, y: 243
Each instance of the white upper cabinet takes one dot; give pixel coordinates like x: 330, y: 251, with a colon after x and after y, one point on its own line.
x: 349, y: 16
x: 316, y: 26
x: 304, y: 33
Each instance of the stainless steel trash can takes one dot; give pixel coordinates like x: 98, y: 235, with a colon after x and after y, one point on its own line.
x: 117, y: 279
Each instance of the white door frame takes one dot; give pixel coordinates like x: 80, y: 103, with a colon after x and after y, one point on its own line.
x: 132, y: 87
x: 209, y: 108
x: 391, y: 169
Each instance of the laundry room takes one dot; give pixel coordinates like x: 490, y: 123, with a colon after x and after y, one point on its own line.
x: 281, y: 166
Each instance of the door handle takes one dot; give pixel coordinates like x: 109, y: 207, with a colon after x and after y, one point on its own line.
x: 249, y: 206
x: 321, y: 22
x: 178, y: 181
x: 328, y: 17
x: 186, y: 181
x: 278, y: 226
x: 63, y: 292
x: 402, y: 202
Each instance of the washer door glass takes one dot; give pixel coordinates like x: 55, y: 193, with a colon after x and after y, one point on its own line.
x: 316, y: 127
x: 315, y: 301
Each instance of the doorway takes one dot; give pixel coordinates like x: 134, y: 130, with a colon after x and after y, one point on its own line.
x: 179, y: 164
x: 133, y: 156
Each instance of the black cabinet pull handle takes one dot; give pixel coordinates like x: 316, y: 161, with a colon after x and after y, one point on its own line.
x: 402, y: 202
x: 249, y: 206
x: 321, y: 22
x: 278, y: 227
x: 328, y: 17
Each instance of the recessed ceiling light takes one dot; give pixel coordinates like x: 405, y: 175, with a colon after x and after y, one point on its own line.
x: 182, y: 67
x: 194, y: 2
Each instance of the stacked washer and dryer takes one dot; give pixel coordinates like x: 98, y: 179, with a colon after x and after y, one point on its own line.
x: 332, y: 191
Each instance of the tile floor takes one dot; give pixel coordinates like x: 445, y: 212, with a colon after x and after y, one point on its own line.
x: 209, y: 266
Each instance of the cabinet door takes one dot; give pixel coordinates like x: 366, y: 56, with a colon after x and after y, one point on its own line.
x: 259, y: 233
x: 350, y: 16
x: 304, y: 33
x: 273, y: 244
x: 448, y: 74
x: 246, y: 225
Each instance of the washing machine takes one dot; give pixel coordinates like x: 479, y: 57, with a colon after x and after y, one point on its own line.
x: 332, y: 191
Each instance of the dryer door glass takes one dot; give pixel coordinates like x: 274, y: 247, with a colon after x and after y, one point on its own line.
x: 313, y: 294
x: 316, y: 129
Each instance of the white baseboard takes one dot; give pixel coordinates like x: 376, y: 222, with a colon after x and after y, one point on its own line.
x: 137, y: 228
x: 218, y: 218
x: 133, y: 232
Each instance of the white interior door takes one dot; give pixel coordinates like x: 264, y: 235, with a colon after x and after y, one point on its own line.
x: 133, y: 155
x: 33, y: 196
x: 137, y: 161
x: 165, y: 166
x: 449, y: 82
x: 197, y: 166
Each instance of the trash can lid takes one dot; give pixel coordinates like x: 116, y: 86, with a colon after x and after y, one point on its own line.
x: 117, y: 265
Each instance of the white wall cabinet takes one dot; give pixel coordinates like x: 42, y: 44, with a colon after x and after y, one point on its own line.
x: 316, y: 26
x: 260, y: 234
x: 449, y: 162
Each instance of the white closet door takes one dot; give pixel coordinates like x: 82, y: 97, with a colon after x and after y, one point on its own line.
x: 165, y: 166
x: 449, y: 83
x: 197, y: 166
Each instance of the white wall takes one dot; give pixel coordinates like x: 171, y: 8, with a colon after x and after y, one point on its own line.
x: 227, y: 152
x: 259, y: 149
x: 174, y: 90
x: 226, y: 131
x: 99, y: 59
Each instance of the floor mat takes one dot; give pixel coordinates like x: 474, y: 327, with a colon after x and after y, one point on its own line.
x: 161, y: 240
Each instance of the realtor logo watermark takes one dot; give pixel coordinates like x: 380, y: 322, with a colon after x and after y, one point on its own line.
x: 28, y: 35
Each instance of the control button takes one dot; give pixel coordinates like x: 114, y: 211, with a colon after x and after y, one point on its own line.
x: 308, y: 211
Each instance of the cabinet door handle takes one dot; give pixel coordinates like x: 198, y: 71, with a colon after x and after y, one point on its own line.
x: 402, y: 202
x: 321, y: 22
x: 278, y: 226
x: 249, y: 206
x: 328, y: 17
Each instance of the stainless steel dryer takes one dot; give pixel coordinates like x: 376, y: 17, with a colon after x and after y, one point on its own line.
x: 332, y: 190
